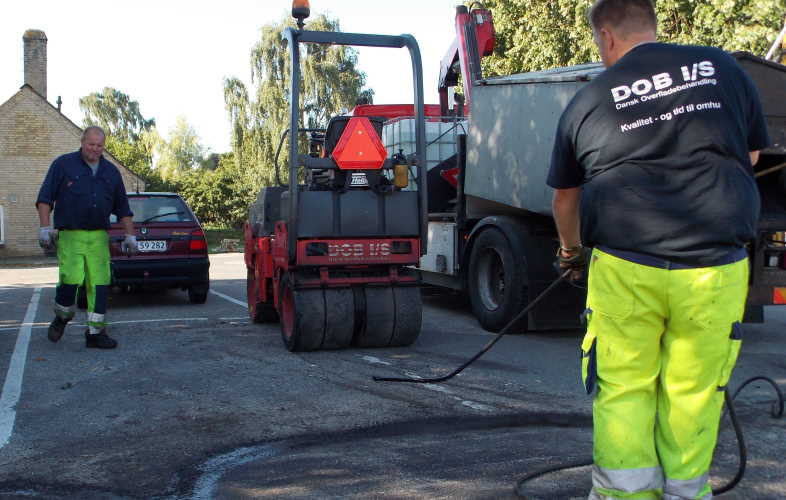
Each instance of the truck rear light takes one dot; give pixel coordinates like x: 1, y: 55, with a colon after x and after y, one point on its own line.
x: 779, y: 295
x: 197, y: 242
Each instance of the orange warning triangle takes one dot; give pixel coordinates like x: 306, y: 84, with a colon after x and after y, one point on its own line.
x: 359, y: 147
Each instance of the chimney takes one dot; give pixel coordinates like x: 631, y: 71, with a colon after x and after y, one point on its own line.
x: 35, y: 60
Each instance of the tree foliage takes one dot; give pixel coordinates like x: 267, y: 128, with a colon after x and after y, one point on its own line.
x: 136, y: 143
x: 330, y: 85
x: 210, y: 183
x: 540, y: 34
x: 218, y: 196
x: 181, y: 153
x: 116, y: 113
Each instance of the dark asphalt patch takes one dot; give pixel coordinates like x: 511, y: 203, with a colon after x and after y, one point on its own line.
x: 396, y: 460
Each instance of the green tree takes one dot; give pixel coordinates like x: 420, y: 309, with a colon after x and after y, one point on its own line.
x: 218, y: 196
x: 116, y: 113
x: 330, y: 85
x: 540, y: 34
x: 181, y: 152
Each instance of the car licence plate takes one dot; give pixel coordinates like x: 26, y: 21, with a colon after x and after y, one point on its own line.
x: 152, y: 246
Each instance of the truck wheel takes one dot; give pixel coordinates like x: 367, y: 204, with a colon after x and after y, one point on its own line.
x: 379, y: 316
x: 409, y: 315
x: 258, y: 312
x: 497, y: 283
x: 339, y: 318
x: 302, y: 314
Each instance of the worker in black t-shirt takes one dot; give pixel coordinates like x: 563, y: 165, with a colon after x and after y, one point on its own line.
x: 653, y: 167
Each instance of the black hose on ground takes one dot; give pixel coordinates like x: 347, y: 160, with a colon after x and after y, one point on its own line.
x: 777, y: 411
x: 487, y: 347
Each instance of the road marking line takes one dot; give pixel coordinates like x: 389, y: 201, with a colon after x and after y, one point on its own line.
x: 12, y: 388
x: 7, y: 328
x: 231, y: 299
x: 375, y: 361
x: 477, y: 406
x: 46, y: 325
x: 438, y: 388
x: 154, y: 320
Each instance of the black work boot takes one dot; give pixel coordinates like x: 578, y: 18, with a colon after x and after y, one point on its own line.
x: 99, y: 340
x: 56, y: 328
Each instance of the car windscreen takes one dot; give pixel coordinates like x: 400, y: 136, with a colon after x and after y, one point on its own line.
x: 158, y: 209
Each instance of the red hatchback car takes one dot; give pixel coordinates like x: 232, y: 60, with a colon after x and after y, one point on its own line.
x: 172, y: 247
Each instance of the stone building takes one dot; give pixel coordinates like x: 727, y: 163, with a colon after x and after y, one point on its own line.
x: 33, y: 132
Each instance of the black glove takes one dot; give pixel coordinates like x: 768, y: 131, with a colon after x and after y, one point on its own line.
x: 575, y: 259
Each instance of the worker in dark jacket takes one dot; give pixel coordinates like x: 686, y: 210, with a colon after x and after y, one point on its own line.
x: 653, y: 167
x: 83, y: 188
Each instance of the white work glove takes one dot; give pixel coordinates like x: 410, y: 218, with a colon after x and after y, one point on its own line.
x: 47, y: 237
x: 129, y: 245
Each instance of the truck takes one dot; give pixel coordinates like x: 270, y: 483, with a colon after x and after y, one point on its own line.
x: 490, y: 228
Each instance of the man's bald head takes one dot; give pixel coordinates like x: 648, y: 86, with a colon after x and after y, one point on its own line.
x: 93, y: 139
x: 625, y: 17
x: 93, y: 130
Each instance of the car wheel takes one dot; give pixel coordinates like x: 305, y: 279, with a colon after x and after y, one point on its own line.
x: 197, y: 294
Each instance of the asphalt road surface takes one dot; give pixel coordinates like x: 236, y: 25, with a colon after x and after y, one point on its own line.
x: 197, y: 403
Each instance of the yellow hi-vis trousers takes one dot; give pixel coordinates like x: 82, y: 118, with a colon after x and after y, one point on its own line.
x: 660, y: 346
x: 83, y: 257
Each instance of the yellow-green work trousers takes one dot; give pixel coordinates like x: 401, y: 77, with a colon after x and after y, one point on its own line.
x: 83, y: 258
x: 660, y: 346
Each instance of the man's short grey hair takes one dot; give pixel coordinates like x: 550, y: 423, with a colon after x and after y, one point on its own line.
x: 91, y: 129
x: 624, y: 16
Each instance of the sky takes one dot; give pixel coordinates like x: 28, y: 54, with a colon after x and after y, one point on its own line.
x: 171, y: 56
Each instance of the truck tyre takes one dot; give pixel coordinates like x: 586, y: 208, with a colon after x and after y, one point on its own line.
x: 302, y: 314
x: 258, y: 312
x: 497, y: 281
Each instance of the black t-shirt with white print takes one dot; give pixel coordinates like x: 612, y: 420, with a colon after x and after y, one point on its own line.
x: 659, y: 142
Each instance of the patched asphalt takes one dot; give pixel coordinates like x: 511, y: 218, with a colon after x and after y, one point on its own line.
x: 197, y: 403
